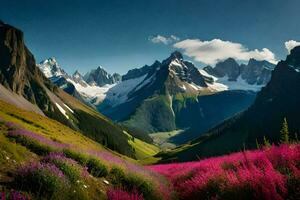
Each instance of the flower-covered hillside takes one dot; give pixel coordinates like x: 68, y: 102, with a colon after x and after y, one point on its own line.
x: 43, y: 159
x: 272, y: 173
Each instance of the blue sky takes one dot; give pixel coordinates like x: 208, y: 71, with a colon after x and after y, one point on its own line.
x: 121, y: 35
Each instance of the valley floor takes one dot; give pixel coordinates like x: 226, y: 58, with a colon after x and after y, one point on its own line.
x: 162, y: 139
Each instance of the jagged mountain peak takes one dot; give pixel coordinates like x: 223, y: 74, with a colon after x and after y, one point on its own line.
x: 101, y: 77
x: 251, y: 76
x: 100, y: 68
x: 51, y: 68
x: 76, y: 74
x: 256, y: 61
x: 176, y: 54
x: 50, y: 60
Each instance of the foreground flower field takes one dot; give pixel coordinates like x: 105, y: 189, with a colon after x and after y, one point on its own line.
x: 42, y: 159
x: 271, y: 173
x: 55, y: 169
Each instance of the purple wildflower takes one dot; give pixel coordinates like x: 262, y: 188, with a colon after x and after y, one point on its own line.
x: 33, y: 167
x: 15, y: 195
x: 37, y: 137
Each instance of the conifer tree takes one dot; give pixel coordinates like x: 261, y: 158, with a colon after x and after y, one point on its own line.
x: 266, y: 142
x: 284, y: 132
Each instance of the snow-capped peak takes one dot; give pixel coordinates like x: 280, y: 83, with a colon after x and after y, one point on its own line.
x: 51, y: 68
x: 77, y: 75
x: 229, y: 75
x: 51, y: 61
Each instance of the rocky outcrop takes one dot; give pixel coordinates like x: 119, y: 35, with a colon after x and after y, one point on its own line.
x: 100, y: 77
x: 18, y: 71
x: 254, y: 73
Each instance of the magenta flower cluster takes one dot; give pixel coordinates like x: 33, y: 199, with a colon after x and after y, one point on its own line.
x: 119, y: 194
x: 12, y: 195
x: 263, y: 173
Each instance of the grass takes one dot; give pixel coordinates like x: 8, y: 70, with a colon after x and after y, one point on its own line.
x: 143, y: 150
x: 96, y: 168
x: 31, y: 138
x: 51, y: 129
x: 153, y: 115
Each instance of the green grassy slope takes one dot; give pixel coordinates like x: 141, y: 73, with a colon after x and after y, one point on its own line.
x: 15, y: 152
x: 57, y: 131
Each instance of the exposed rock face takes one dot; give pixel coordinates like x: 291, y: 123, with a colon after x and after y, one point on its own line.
x: 100, y: 77
x: 78, y: 78
x: 18, y: 71
x: 254, y: 73
x: 257, y: 72
x: 229, y: 68
x: 116, y: 77
x: 182, y: 76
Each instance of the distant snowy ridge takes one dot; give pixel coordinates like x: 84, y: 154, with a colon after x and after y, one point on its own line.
x: 223, y: 84
x: 90, y: 93
x: 229, y: 75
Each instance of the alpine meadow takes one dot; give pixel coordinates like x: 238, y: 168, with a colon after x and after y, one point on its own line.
x: 149, y: 100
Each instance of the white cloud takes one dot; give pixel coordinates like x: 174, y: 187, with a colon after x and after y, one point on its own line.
x: 289, y: 45
x: 210, y: 52
x: 164, y: 39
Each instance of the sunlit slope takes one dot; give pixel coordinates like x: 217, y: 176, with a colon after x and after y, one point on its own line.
x: 31, y: 141
x: 58, y: 132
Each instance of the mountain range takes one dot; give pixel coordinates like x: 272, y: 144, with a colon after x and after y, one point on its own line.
x: 261, y: 121
x: 175, y: 95
x: 89, y: 89
x: 188, y: 99
x: 24, y: 85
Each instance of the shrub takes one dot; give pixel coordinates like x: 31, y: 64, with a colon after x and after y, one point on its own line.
x: 42, y: 179
x: 117, y: 176
x: 96, y: 168
x: 68, y: 166
x: 79, y: 157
